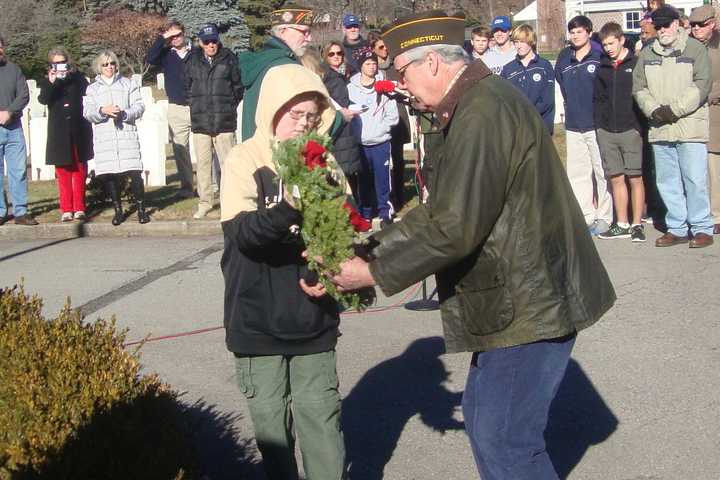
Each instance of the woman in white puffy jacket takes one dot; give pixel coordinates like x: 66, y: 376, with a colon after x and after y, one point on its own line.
x: 113, y: 104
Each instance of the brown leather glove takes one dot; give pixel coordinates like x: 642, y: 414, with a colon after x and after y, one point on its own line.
x: 664, y: 114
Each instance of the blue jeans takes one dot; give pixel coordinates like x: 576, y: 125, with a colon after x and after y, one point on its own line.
x: 681, y: 171
x: 12, y: 149
x: 506, y: 405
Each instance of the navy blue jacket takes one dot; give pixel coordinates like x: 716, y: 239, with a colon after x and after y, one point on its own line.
x: 162, y: 55
x: 537, y: 82
x: 577, y: 79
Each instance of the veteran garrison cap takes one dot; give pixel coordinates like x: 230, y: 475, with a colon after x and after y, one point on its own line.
x: 291, y: 15
x: 427, y: 28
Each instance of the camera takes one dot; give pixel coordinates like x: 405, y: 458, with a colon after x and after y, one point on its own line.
x: 61, y: 69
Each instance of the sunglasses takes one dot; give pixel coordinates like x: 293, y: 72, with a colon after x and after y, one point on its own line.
x: 107, y: 64
x: 698, y: 24
x: 333, y: 54
x: 381, y: 47
x: 209, y: 42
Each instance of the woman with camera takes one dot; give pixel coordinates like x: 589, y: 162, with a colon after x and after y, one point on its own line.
x: 69, y: 135
x: 113, y: 104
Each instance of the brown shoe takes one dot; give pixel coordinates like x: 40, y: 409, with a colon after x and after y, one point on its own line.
x: 25, y: 220
x: 670, y: 240
x: 716, y: 230
x: 701, y: 240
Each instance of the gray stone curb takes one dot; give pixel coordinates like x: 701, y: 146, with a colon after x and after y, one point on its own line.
x: 44, y: 231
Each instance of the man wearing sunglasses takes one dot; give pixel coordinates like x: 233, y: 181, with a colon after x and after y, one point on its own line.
x: 170, y: 52
x: 214, y: 89
x: 352, y: 41
x: 703, y: 29
x: 290, y: 35
x: 671, y: 84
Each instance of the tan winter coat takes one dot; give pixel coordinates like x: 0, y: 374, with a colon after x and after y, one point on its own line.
x: 679, y: 77
x: 713, y: 47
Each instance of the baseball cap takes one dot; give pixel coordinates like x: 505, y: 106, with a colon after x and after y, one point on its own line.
x: 209, y: 32
x: 500, y: 23
x: 664, y: 16
x: 434, y: 27
x: 350, y: 20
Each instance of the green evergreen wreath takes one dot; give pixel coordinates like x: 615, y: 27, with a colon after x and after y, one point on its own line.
x: 330, y: 224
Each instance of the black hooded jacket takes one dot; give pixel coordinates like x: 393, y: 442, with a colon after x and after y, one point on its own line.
x: 614, y: 107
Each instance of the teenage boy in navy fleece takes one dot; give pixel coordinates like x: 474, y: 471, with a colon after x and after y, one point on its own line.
x: 617, y: 121
x: 532, y: 74
x: 575, y: 71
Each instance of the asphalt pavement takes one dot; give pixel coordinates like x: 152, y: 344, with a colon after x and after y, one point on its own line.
x: 640, y: 400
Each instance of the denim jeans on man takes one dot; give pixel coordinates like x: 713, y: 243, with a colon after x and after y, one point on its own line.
x: 681, y: 173
x: 12, y: 150
x: 506, y: 404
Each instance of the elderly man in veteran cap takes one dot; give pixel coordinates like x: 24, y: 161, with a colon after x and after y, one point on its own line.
x: 290, y: 35
x: 703, y: 27
x: 671, y: 84
x: 517, y: 272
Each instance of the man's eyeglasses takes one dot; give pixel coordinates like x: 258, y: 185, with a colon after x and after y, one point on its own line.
x: 209, y: 42
x: 310, y: 117
x: 698, y: 24
x: 333, y: 54
x: 107, y: 64
x: 659, y: 26
x: 304, y: 31
x: 401, y: 70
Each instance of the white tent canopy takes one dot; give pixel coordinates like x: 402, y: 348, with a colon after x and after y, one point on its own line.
x: 527, y: 14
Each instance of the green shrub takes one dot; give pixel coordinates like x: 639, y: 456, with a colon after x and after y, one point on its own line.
x: 73, y: 404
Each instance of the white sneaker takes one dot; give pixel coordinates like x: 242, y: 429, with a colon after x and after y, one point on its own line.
x: 66, y: 217
x: 80, y: 215
x: 202, y: 211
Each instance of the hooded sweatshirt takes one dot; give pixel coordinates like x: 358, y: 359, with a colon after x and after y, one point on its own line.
x: 266, y: 312
x: 373, y: 125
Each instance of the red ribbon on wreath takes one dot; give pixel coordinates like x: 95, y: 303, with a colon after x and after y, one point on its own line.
x: 314, y: 155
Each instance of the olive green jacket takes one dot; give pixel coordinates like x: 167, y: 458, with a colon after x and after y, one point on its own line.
x: 680, y: 77
x: 502, y: 231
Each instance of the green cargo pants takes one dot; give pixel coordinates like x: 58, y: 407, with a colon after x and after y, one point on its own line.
x: 289, y: 395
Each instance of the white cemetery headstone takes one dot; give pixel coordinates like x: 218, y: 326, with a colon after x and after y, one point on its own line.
x: 38, y: 143
x: 25, y: 121
x: 136, y: 79
x: 559, y: 105
x: 32, y: 84
x: 152, y: 151
x: 147, y: 97
x: 37, y: 109
x: 160, y: 79
x: 161, y: 110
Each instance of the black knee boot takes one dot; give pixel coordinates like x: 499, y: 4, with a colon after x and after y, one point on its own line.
x: 138, y: 189
x: 114, y: 193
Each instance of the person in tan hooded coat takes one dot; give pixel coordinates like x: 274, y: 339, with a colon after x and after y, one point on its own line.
x: 281, y: 329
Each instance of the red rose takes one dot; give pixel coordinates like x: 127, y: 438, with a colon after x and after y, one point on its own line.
x: 314, y: 155
x: 359, y: 223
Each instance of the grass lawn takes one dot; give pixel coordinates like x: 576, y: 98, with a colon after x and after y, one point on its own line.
x: 160, y: 201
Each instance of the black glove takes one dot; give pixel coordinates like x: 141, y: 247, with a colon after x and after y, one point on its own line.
x: 664, y: 114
